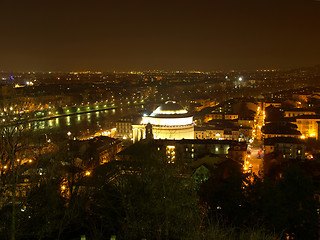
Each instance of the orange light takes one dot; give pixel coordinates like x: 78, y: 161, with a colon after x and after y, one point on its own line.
x: 87, y: 173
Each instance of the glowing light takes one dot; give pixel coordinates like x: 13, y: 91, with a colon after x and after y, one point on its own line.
x: 159, y: 111
x: 171, y: 154
x: 167, y: 121
x: 87, y: 173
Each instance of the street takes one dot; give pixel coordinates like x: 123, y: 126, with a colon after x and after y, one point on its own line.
x: 254, y: 159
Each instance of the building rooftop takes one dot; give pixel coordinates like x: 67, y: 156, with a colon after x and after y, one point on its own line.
x: 308, y: 117
x: 169, y: 108
x: 273, y: 141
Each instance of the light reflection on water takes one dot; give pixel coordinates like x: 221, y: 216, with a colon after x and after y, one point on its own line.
x: 81, y: 124
x: 68, y: 120
x: 51, y: 122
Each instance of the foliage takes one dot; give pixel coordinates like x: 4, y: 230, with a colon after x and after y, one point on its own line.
x: 283, y: 205
x: 224, y: 193
x: 147, y: 197
x: 159, y: 202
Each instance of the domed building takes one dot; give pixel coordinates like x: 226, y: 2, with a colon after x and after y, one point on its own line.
x: 168, y: 121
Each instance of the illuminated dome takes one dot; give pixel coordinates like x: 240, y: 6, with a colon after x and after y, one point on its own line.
x: 169, y: 108
x: 169, y: 121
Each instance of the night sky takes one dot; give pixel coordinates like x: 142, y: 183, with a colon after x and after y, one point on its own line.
x: 167, y: 35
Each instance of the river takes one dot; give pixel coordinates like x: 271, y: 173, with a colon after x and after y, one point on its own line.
x: 82, y: 125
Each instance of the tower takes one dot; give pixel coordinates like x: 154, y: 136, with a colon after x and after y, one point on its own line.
x: 149, y: 134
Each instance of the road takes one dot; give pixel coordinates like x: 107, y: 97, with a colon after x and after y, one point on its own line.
x: 255, y: 160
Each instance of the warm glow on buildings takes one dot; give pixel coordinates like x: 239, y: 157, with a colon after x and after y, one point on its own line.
x: 308, y: 125
x: 168, y: 121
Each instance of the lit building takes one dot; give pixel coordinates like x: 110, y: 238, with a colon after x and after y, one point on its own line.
x: 308, y: 125
x: 124, y: 126
x: 288, y: 147
x: 218, y: 133
x: 190, y: 150
x: 168, y: 121
x: 298, y: 112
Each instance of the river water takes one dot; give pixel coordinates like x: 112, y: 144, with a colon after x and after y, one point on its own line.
x: 82, y: 125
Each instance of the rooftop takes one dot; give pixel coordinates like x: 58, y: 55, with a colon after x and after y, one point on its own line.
x: 273, y: 141
x: 170, y: 108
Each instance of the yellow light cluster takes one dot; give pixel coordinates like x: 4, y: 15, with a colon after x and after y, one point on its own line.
x: 171, y: 153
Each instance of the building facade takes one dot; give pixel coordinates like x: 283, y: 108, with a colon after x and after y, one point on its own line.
x: 168, y: 121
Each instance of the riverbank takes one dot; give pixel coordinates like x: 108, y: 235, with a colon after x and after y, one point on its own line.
x: 69, y: 114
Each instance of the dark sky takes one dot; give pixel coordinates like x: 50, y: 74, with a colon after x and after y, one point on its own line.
x: 70, y: 35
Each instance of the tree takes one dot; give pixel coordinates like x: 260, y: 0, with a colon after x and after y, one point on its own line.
x: 159, y: 202
x: 299, y: 204
x: 105, y: 211
x: 285, y: 205
x: 12, y: 151
x: 43, y: 211
x: 224, y: 193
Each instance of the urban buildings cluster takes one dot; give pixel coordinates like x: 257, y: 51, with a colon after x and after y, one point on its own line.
x: 203, y: 125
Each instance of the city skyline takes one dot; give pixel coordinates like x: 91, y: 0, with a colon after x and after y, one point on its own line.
x: 179, y: 35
